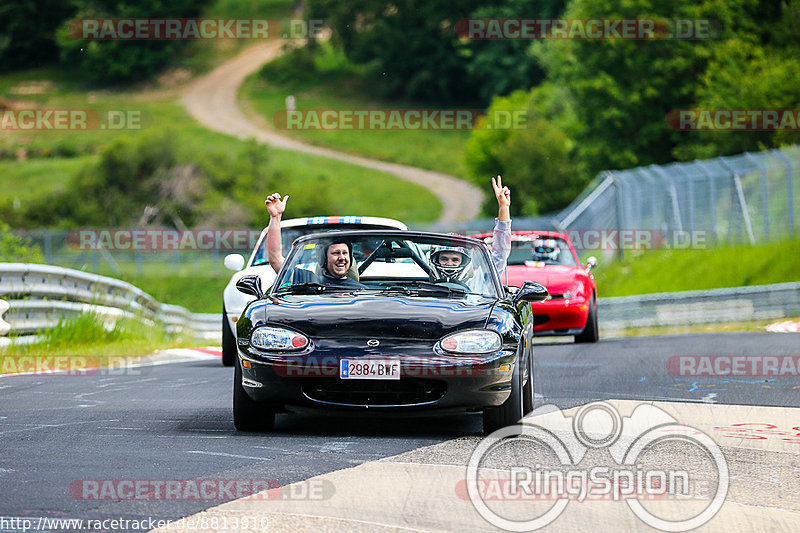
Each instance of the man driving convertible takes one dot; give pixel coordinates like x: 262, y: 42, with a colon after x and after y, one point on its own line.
x: 449, y: 263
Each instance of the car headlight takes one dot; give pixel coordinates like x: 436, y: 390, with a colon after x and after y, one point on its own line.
x: 472, y: 341
x: 277, y: 339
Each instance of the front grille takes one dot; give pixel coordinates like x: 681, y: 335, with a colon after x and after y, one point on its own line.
x: 373, y: 392
x: 540, y: 319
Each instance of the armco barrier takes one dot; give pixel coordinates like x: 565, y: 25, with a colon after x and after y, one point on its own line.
x: 38, y: 296
x: 735, y: 304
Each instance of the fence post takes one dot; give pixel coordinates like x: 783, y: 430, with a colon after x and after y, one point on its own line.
x: 712, y: 191
x: 737, y: 181
x: 619, y: 209
x: 789, y: 188
x: 764, y: 199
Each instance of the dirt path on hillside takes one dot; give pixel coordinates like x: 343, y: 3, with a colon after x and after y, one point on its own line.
x: 212, y: 100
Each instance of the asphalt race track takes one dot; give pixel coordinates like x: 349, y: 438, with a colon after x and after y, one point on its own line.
x: 61, y: 433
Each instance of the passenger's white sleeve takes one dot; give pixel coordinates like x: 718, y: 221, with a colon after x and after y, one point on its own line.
x: 501, y: 244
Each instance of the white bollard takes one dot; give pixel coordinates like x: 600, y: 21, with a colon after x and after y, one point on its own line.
x: 5, y: 327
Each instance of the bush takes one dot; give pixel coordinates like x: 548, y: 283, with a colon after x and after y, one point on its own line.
x: 539, y: 161
x: 14, y: 249
x: 123, y: 60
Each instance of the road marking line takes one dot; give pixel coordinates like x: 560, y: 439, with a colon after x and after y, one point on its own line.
x: 235, y: 456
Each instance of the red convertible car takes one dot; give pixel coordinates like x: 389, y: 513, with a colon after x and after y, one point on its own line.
x: 549, y: 258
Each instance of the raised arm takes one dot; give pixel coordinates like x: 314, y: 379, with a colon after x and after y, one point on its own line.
x: 275, y: 208
x: 501, y: 239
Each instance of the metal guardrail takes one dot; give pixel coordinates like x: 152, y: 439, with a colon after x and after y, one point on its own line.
x: 38, y: 296
x: 735, y: 304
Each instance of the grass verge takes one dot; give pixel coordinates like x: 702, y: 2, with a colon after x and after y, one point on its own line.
x: 336, y: 84
x: 88, y: 341
x: 686, y: 270
x: 347, y: 189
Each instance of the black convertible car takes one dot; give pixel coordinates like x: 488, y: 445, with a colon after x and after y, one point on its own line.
x: 386, y: 321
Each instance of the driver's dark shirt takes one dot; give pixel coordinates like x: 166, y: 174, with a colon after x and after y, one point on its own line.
x: 341, y: 282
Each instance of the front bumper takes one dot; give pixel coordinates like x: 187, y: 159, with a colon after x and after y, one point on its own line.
x: 427, y: 383
x: 560, y: 317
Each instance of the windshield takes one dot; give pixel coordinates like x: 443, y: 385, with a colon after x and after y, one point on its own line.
x: 407, y: 264
x: 288, y: 236
x: 526, y: 249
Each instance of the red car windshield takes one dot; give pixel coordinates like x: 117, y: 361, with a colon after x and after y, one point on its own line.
x: 522, y: 251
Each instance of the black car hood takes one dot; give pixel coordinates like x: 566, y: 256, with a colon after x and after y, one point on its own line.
x: 379, y: 316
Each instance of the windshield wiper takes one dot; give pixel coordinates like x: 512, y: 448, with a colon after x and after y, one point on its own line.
x: 448, y: 288
x: 315, y: 288
x: 305, y: 288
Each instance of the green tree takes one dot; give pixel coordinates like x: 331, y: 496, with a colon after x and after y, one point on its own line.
x: 124, y: 60
x: 756, y: 70
x: 505, y: 65
x: 539, y: 159
x: 27, y: 32
x: 411, y: 45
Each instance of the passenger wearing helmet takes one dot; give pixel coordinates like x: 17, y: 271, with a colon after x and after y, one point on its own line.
x: 450, y: 263
x: 546, y: 250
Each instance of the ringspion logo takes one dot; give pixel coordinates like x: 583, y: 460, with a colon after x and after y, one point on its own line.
x: 547, y: 462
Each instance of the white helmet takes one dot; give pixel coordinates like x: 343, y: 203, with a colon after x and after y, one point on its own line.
x: 546, y: 250
x: 450, y: 272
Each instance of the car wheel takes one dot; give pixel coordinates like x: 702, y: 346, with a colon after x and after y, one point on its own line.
x: 590, y: 333
x: 248, y: 414
x: 228, y: 341
x: 509, y: 412
x: 527, y: 392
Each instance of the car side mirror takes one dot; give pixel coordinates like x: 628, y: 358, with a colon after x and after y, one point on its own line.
x: 531, y: 292
x: 250, y: 285
x: 591, y: 263
x: 234, y: 262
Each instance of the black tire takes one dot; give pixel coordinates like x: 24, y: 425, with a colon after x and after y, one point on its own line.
x: 510, y: 411
x: 527, y: 392
x: 228, y: 341
x: 590, y: 333
x: 248, y: 414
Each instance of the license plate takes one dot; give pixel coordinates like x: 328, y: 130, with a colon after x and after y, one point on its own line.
x: 369, y: 369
